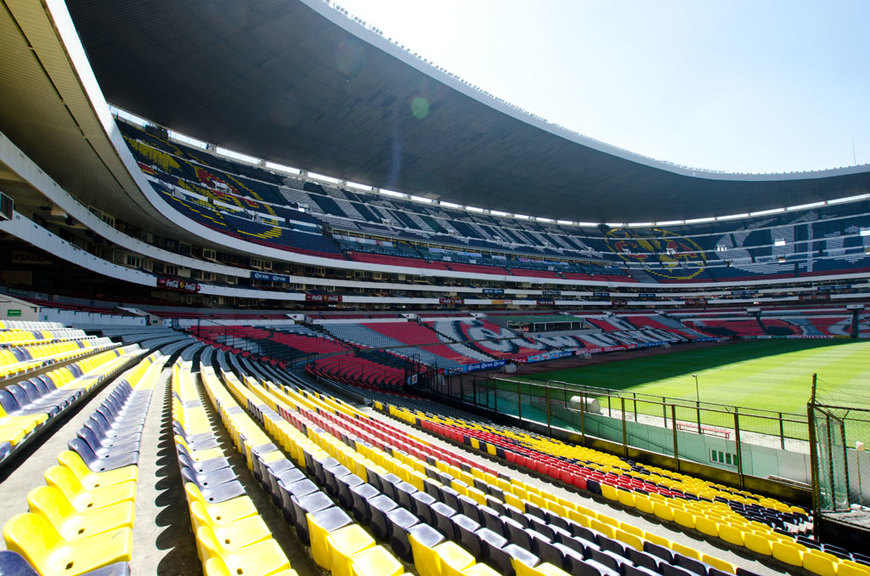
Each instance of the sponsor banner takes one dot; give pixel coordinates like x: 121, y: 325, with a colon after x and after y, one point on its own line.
x: 493, y: 291
x: 176, y: 284
x: 551, y: 293
x: 546, y: 302
x: 21, y: 257
x: 646, y: 295
x: 695, y: 301
x: 330, y: 298
x: 744, y: 293
x: 549, y: 356
x: 502, y: 302
x: 451, y: 301
x: 605, y: 349
x: 475, y: 367
x: 269, y: 277
x: 601, y: 295
x: 816, y: 297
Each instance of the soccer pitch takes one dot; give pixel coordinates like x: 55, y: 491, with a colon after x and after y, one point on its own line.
x: 767, y: 374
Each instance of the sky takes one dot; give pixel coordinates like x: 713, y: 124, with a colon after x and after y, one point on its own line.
x: 749, y: 86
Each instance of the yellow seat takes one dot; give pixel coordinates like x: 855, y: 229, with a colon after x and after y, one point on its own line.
x: 706, y: 525
x: 376, y: 561
x: 627, y: 498
x: 40, y: 544
x: 718, y: 563
x: 90, y: 479
x: 820, y: 562
x: 221, y: 512
x: 632, y: 540
x: 757, y: 543
x: 788, y: 552
x: 231, y: 535
x: 453, y: 558
x: 606, y: 529
x: 426, y: 560
x: 479, y: 569
x: 850, y: 568
x: 319, y: 530
x: 264, y: 557
x: 663, y: 511
x: 684, y: 518
x: 609, y: 492
x: 51, y: 504
x: 685, y: 550
x: 217, y: 567
x: 643, y: 503
x: 82, y: 499
x: 343, y: 544
x: 731, y: 534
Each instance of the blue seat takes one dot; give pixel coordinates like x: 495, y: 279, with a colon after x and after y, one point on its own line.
x: 465, y: 529
x: 218, y: 492
x: 378, y: 508
x: 421, y: 504
x: 492, y: 550
x: 442, y: 513
x: 361, y: 493
x: 399, y: 523
x: 307, y: 504
x: 102, y: 463
x: 345, y: 484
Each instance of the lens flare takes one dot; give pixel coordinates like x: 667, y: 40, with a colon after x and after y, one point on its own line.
x: 419, y: 107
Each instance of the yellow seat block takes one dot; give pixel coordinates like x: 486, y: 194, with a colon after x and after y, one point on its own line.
x: 343, y: 544
x: 376, y: 561
x: 453, y: 558
x: 39, y: 543
x: 788, y: 552
x: 707, y: 526
x: 820, y: 563
x: 663, y: 511
x: 685, y: 550
x: 758, y: 543
x: 732, y: 534
x: 263, y: 557
x: 643, y: 504
x: 632, y: 540
x: 849, y: 568
x: 684, y: 518
x: 718, y: 563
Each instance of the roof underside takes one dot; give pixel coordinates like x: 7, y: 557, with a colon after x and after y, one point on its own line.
x: 279, y: 80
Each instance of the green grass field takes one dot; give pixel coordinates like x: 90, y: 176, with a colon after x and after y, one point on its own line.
x: 767, y: 374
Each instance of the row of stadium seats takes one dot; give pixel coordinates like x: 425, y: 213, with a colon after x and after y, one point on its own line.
x: 337, y: 543
x: 18, y: 360
x: 231, y: 537
x: 763, y: 525
x: 468, y: 505
x: 31, y: 406
x: 81, y: 521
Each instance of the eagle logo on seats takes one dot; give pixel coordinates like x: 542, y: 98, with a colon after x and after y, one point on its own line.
x: 662, y: 253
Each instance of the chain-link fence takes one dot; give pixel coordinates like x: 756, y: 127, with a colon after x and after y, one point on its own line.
x: 841, y: 464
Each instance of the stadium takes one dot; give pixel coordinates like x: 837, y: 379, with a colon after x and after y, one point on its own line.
x: 278, y: 296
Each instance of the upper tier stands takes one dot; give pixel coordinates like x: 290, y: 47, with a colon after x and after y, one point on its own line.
x: 254, y: 204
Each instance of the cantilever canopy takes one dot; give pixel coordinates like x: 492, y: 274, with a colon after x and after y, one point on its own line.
x: 297, y: 82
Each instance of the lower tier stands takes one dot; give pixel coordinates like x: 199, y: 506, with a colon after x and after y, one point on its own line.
x: 81, y: 520
x: 29, y: 407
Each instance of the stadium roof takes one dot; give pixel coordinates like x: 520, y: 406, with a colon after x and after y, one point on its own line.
x: 299, y: 83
